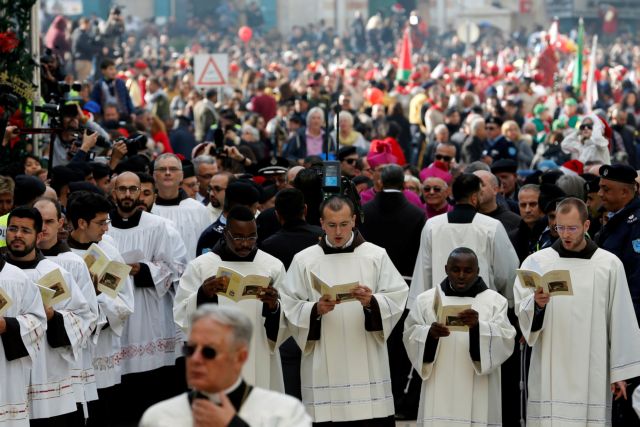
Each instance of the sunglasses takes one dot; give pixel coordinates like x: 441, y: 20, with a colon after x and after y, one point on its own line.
x: 428, y: 189
x: 207, y: 352
x: 350, y: 161
x: 586, y: 126
x: 443, y: 158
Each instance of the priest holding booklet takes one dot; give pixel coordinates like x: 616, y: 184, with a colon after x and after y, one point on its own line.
x: 461, y: 327
x: 345, y: 366
x: 237, y: 273
x: 585, y: 345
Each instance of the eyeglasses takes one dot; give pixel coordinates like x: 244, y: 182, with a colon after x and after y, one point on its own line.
x: 104, y: 223
x: 206, y: 176
x: 171, y: 169
x: 586, y: 126
x: 568, y: 228
x: 217, y: 188
x: 23, y: 230
x: 443, y: 158
x: 207, y: 352
x: 242, y: 239
x: 350, y: 161
x: 192, y: 184
x: 428, y: 189
x: 491, y: 127
x: 132, y: 189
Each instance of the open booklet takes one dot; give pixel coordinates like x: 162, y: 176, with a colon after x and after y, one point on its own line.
x: 5, y: 302
x: 111, y: 274
x: 554, y: 282
x: 339, y: 293
x: 240, y: 287
x: 53, y: 288
x: 449, y: 315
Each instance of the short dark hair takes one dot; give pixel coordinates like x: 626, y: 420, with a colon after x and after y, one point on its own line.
x: 290, y: 204
x: 392, y: 176
x: 27, y: 212
x: 86, y: 205
x: 145, y: 178
x: 465, y: 186
x: 566, y: 205
x: 211, y: 93
x: 335, y: 203
x: 462, y: 251
x: 106, y: 63
x: 240, y: 213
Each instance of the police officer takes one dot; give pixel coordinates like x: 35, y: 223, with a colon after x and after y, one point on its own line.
x: 621, y: 235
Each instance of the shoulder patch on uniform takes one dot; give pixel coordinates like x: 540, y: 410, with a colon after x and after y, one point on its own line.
x: 636, y: 245
x: 632, y: 218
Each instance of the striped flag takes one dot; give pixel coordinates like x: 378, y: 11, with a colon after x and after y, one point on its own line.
x: 577, y: 70
x: 404, y: 65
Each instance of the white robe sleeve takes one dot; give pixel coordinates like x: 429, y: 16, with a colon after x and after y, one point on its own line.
x: 186, y: 300
x: 496, y: 339
x: 32, y: 319
x: 297, y: 301
x: 391, y: 295
x: 416, y: 331
x: 505, y: 262
x: 84, y: 282
x: 77, y: 317
x: 117, y: 310
x: 624, y: 334
x: 423, y: 270
x: 525, y: 307
x: 165, y: 266
x: 279, y: 277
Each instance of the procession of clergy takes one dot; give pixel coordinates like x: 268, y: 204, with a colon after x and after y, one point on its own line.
x: 103, y: 360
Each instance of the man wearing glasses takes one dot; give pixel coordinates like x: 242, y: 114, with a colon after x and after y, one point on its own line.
x: 348, y: 157
x: 217, y: 188
x: 201, y: 284
x: 217, y: 352
x: 585, y: 345
x: 190, y: 217
x: 149, y: 336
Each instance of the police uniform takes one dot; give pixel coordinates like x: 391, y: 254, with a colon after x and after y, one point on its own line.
x: 621, y: 236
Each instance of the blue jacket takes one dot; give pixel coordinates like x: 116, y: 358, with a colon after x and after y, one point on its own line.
x: 125, y: 106
x: 621, y: 236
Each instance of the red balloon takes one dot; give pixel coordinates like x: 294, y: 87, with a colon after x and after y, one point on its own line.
x: 245, y: 33
x: 374, y: 95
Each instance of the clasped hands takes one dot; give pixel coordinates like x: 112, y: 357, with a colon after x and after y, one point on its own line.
x: 268, y: 295
x: 360, y: 292
x: 469, y: 317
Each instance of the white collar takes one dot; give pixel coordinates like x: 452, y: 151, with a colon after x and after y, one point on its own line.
x: 214, y: 396
x: 326, y: 239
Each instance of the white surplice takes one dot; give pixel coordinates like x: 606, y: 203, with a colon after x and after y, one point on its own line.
x: 190, y: 217
x: 263, y: 368
x: 345, y: 374
x: 28, y: 310
x: 106, y: 346
x: 149, y: 336
x: 587, y: 341
x: 263, y: 408
x: 485, y: 236
x: 50, y: 389
x: 456, y: 390
x: 82, y: 373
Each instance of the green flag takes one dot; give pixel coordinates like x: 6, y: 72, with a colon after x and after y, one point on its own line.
x: 577, y: 66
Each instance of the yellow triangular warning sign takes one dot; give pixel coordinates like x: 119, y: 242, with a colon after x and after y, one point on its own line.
x: 211, y: 74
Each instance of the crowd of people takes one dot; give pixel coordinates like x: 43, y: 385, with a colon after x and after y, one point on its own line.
x: 478, y: 267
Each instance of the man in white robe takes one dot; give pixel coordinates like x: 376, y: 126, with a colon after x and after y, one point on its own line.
x: 69, y: 324
x: 88, y: 213
x: 345, y: 373
x: 149, y: 336
x: 465, y: 227
x: 82, y: 373
x: 218, y: 347
x: 190, y: 217
x: 463, y: 364
x: 22, y: 330
x: 239, y: 252
x: 585, y: 345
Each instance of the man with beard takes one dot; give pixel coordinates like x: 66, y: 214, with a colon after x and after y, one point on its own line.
x: 238, y: 251
x: 69, y: 323
x: 217, y: 189
x: 475, y: 355
x: 88, y: 213
x: 82, y: 372
x: 148, y: 352
x: 189, y: 216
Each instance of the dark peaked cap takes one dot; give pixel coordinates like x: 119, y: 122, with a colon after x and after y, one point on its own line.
x: 620, y: 173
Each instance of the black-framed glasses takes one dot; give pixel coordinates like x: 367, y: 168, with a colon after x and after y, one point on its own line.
x: 134, y: 189
x: 207, y: 352
x: 243, y: 238
x: 586, y: 126
x: 350, y: 161
x: 428, y: 189
x: 443, y: 158
x: 217, y: 188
